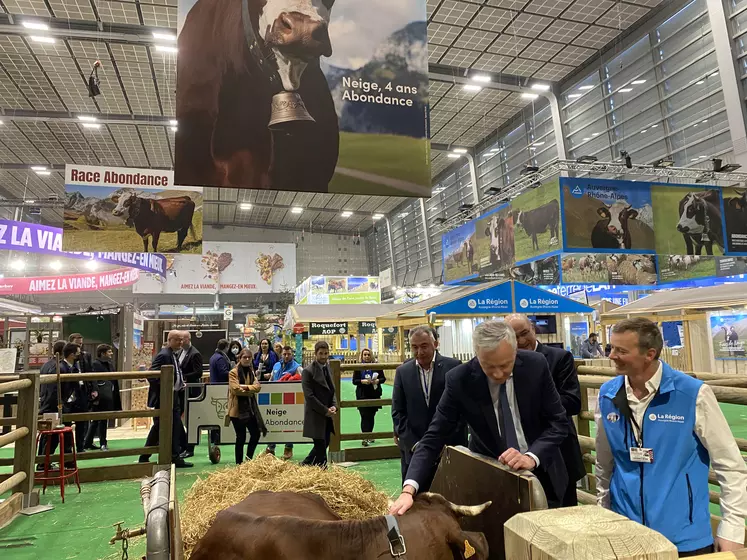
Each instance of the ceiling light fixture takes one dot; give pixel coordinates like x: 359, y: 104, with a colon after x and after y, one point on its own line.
x: 595, y: 134
x: 638, y: 82
x: 625, y: 90
x: 403, y: 215
x: 44, y: 173
x: 55, y: 265
x: 460, y: 150
x: 41, y: 39
x: 164, y: 36
x: 92, y: 265
x: 471, y: 87
x: 87, y: 118
x: 346, y: 214
x: 35, y: 25
x: 453, y: 156
x: 377, y: 217
x: 166, y: 49
x: 173, y: 129
x: 541, y: 87
x: 538, y: 144
x: 482, y: 78
x: 700, y: 82
x: 38, y: 168
x: 586, y: 88
x: 526, y: 95
x: 18, y: 264
x: 173, y: 122
x: 91, y: 125
x: 296, y: 210
x: 575, y: 95
x: 245, y: 206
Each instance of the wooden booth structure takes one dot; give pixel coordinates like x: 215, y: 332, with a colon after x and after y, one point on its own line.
x: 712, y: 322
x: 457, y: 311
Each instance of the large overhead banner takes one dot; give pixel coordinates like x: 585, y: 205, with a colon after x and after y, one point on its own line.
x: 130, y: 210
x: 323, y: 290
x: 612, y: 216
x: 609, y: 268
x: 494, y: 243
x: 94, y: 281
x: 536, y: 220
x: 458, y: 253
x: 303, y: 96
x: 228, y: 268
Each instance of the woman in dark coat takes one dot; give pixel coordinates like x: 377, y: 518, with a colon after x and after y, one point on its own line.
x: 243, y: 410
x: 106, y: 396
x: 264, y: 360
x: 320, y: 404
x: 368, y: 386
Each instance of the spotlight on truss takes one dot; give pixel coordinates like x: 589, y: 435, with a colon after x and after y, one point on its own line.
x: 529, y: 169
x: 586, y: 159
x: 728, y: 168
x: 664, y: 162
x: 628, y: 159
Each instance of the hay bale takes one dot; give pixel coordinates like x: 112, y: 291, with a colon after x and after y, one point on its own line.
x: 346, y: 492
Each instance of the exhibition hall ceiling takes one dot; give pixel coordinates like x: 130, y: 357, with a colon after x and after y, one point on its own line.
x: 43, y: 75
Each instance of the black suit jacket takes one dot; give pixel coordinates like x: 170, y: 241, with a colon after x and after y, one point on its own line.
x: 164, y: 358
x: 410, y: 413
x: 467, y: 397
x: 563, y: 370
x: 192, y: 366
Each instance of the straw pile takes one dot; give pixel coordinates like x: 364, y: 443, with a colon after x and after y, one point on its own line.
x: 347, y: 493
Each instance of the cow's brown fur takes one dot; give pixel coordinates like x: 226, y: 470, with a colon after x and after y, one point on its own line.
x: 261, y: 527
x: 223, y: 106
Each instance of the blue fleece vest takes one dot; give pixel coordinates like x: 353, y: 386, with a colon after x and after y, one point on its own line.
x: 669, y: 495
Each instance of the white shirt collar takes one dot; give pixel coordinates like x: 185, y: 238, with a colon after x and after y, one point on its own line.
x: 652, y: 385
x: 536, y: 344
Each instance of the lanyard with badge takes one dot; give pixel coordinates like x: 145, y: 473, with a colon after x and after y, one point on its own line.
x: 638, y: 453
x: 425, y: 383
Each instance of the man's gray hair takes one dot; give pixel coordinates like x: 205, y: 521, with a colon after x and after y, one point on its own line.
x: 489, y: 334
x: 422, y: 329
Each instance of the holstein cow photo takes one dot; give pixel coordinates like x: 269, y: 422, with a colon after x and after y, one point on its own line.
x: 254, y: 109
x: 133, y: 220
x: 535, y: 214
x: 608, y: 215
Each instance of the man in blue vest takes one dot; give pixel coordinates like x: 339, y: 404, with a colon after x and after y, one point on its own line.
x: 657, y: 431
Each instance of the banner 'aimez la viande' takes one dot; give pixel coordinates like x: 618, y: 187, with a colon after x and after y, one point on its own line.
x: 35, y: 238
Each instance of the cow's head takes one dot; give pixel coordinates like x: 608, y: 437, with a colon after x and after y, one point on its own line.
x: 443, y: 518
x: 123, y: 202
x: 618, y: 213
x: 297, y: 31
x: 516, y: 216
x: 692, y: 213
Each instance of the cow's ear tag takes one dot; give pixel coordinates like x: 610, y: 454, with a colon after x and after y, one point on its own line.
x: 469, y: 551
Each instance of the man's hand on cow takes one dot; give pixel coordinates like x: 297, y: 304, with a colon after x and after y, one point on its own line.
x: 404, y: 502
x: 517, y: 460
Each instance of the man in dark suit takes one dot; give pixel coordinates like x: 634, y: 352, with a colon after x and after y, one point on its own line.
x: 190, y: 361
x: 167, y: 356
x: 320, y: 405
x: 418, y: 386
x: 510, y: 403
x: 563, y: 370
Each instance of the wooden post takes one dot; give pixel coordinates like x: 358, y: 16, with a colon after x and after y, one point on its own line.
x: 166, y: 415
x: 401, y: 342
x: 584, y: 430
x: 334, y: 442
x: 687, y: 344
x: 24, y: 454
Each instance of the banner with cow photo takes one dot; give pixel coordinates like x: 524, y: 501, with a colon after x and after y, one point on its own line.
x: 303, y: 95
x: 542, y: 272
x: 458, y: 253
x: 607, y: 215
x: 536, y: 221
x: 609, y: 268
x: 494, y: 243
x: 729, y: 335
x: 735, y: 220
x: 130, y: 210
x: 688, y: 220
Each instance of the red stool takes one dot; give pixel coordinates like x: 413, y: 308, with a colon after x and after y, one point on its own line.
x: 63, y: 472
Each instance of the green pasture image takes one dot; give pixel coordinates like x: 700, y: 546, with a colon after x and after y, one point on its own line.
x: 456, y: 271
x: 665, y: 201
x: 529, y: 201
x: 702, y: 269
x: 78, y: 236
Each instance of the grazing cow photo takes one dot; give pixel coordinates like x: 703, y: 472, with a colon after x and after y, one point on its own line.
x: 302, y: 95
x: 735, y: 215
x: 607, y: 215
x: 674, y: 268
x: 689, y: 220
x: 616, y: 269
x: 458, y: 250
x: 536, y: 219
x: 494, y: 242
x: 137, y: 220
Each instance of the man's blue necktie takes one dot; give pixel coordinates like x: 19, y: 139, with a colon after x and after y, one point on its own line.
x: 507, y: 421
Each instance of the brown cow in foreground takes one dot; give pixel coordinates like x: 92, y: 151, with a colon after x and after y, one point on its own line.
x: 153, y: 216
x: 294, y: 526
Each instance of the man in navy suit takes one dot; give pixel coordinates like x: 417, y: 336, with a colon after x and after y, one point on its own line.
x: 563, y: 370
x: 167, y: 356
x: 510, y: 403
x: 418, y: 387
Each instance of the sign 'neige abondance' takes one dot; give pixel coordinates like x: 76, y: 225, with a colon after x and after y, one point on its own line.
x: 303, y: 95
x: 35, y: 238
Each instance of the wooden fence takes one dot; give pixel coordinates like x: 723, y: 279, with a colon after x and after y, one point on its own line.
x: 25, y: 458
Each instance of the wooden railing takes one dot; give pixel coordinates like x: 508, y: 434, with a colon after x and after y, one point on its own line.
x: 727, y: 389
x: 363, y: 453
x: 27, y: 412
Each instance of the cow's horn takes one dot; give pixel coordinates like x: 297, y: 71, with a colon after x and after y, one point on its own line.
x: 469, y: 511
